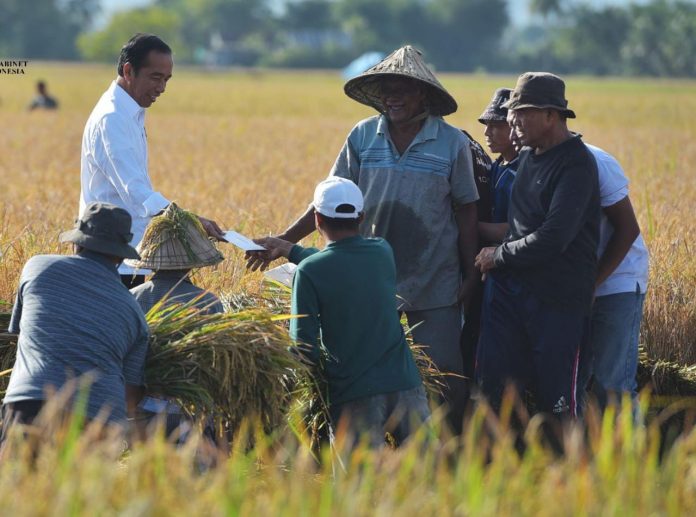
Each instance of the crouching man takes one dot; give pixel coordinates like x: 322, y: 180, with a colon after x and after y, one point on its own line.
x: 75, y: 317
x: 345, y: 296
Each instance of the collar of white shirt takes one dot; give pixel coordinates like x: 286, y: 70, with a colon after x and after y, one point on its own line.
x: 125, y: 103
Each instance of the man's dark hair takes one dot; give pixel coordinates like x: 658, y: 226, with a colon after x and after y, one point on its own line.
x: 338, y: 224
x: 137, y: 48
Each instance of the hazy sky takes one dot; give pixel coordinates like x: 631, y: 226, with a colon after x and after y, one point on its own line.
x: 519, y: 9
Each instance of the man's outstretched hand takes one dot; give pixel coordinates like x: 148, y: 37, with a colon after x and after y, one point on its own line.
x: 275, y: 248
x: 212, y: 228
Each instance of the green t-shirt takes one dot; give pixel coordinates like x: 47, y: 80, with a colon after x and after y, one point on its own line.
x: 347, y: 292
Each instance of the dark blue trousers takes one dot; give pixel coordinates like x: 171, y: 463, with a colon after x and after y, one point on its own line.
x: 531, y: 344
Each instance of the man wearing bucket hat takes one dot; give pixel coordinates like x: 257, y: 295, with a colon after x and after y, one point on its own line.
x: 611, y: 353
x: 491, y: 225
x: 345, y: 294
x: 416, y: 174
x: 538, y: 300
x: 74, y: 317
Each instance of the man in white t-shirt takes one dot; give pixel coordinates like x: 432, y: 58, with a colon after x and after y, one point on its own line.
x: 622, y: 280
x: 114, y: 166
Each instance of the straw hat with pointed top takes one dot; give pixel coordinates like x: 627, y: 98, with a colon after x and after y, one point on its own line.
x: 175, y: 240
x: 404, y: 62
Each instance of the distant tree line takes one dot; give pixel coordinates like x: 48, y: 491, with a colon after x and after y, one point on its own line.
x: 656, y: 38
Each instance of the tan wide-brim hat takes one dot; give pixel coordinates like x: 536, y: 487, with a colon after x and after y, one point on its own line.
x: 175, y: 240
x: 404, y: 62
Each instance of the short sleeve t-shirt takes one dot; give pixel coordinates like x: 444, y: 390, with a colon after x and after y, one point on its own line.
x: 633, y: 269
x: 409, y: 200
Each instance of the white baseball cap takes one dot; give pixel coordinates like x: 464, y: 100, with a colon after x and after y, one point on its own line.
x: 334, y: 192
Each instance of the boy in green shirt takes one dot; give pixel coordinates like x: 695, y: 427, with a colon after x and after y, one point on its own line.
x: 346, y: 294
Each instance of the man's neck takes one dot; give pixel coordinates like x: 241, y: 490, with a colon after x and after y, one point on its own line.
x: 509, y: 155
x: 339, y: 235
x: 121, y: 82
x: 556, y: 136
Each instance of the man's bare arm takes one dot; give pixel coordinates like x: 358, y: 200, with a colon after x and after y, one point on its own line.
x: 493, y: 233
x: 296, y: 232
x: 466, y: 218
x: 626, y: 230
x: 134, y: 395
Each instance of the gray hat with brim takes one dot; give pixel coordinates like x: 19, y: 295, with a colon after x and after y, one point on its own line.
x: 104, y: 228
x: 495, y: 112
x: 405, y: 62
x: 540, y: 90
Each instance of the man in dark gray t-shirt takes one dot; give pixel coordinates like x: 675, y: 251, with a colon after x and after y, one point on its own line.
x: 75, y: 318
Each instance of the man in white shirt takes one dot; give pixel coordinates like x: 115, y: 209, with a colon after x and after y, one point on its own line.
x: 114, y: 143
x: 622, y: 279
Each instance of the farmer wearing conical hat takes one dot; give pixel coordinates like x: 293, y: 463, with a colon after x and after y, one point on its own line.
x: 416, y: 174
x: 175, y: 243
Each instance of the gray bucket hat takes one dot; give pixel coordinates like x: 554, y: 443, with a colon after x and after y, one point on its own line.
x: 495, y: 112
x: 104, y: 228
x: 403, y: 62
x: 539, y: 90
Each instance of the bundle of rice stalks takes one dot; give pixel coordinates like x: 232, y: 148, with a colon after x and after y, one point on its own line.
x: 235, y: 366
x: 665, y: 377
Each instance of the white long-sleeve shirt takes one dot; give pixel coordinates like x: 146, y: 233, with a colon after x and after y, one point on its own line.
x: 114, y: 162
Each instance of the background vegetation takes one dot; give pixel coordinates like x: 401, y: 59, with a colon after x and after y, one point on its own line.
x: 653, y: 37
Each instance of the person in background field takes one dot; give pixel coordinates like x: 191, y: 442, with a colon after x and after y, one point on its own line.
x: 114, y: 164
x: 346, y: 294
x: 416, y: 174
x: 174, y: 243
x: 74, y: 317
x: 491, y: 219
x: 43, y: 100
x: 538, y: 299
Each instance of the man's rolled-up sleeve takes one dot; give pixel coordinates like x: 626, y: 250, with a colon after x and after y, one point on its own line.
x: 115, y: 156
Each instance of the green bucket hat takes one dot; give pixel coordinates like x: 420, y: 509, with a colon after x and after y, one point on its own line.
x: 404, y: 62
x: 539, y: 90
x: 495, y: 112
x: 104, y: 228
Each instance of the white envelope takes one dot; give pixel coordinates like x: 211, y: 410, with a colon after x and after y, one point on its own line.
x: 242, y: 242
x: 282, y: 274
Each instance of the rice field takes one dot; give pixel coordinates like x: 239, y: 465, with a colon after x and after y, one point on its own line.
x: 246, y: 148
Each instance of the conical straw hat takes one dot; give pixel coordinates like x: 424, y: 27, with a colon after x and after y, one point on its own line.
x: 175, y: 240
x: 404, y: 62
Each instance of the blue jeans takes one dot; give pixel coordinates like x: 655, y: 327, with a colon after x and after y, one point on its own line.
x: 612, y: 353
x: 398, y: 413
x: 531, y: 344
